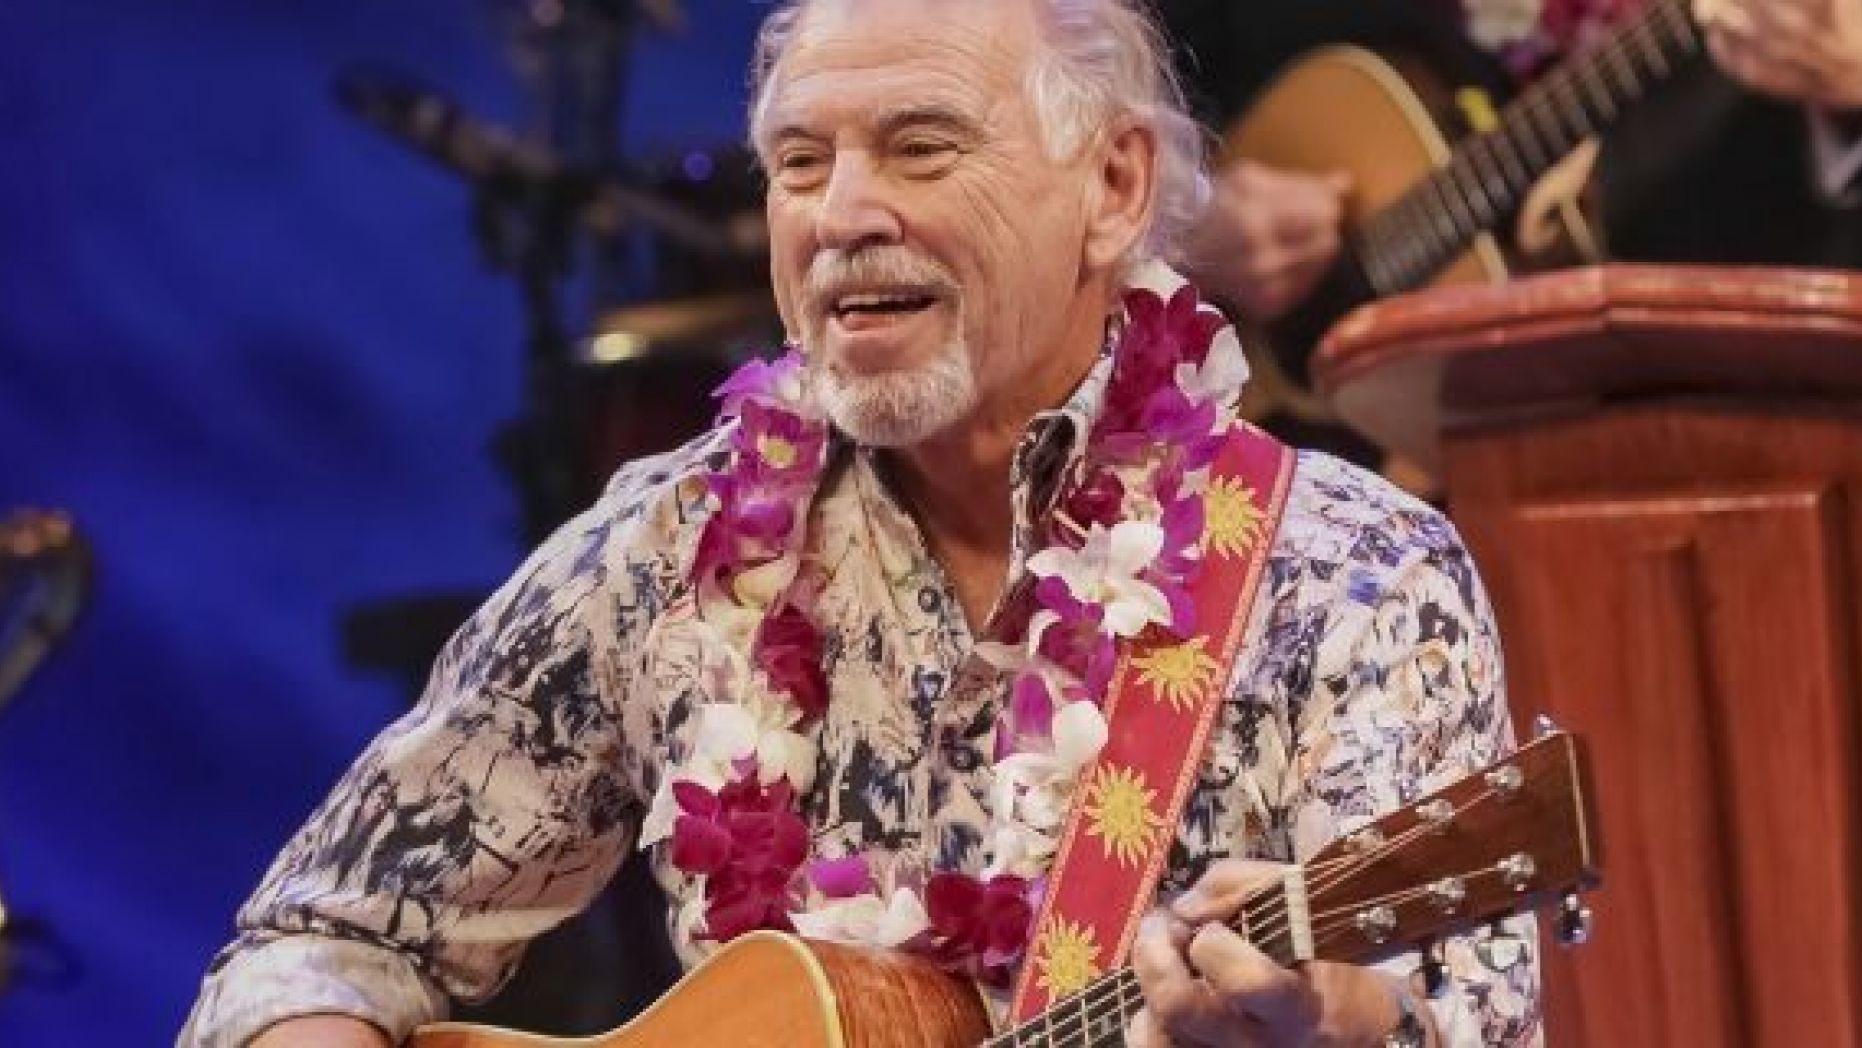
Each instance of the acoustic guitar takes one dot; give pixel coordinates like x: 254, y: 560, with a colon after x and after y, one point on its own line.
x: 1423, y: 211
x: 1514, y: 837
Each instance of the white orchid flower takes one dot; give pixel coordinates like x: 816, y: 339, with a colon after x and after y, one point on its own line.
x: 1020, y: 851
x: 1036, y: 783
x: 866, y: 919
x: 1105, y: 572
x: 1223, y: 371
x: 723, y: 734
x: 760, y: 728
x: 1033, y: 789
x: 1080, y: 732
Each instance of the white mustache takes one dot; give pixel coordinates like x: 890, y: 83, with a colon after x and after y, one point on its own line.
x: 836, y: 273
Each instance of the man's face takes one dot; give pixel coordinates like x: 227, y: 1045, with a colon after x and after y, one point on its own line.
x: 924, y: 245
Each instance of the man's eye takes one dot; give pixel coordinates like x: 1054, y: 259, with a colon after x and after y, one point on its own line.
x: 800, y: 169
x: 925, y: 148
x: 926, y: 156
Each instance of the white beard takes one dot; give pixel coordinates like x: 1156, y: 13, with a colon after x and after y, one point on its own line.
x: 900, y: 408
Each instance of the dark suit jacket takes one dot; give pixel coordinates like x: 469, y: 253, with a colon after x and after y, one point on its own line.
x: 1709, y: 172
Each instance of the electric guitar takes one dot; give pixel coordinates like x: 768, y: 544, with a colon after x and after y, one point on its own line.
x: 1421, y: 211
x: 1514, y: 837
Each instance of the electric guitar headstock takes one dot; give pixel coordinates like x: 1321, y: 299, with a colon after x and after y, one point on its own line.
x: 1517, y: 836
x: 45, y: 569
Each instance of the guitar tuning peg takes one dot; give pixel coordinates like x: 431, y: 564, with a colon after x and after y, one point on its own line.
x: 1574, y: 921
x: 1543, y: 725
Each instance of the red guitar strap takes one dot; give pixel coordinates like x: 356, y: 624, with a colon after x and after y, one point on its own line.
x: 1160, y: 706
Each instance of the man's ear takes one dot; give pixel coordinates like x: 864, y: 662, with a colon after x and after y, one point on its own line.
x: 1119, y: 207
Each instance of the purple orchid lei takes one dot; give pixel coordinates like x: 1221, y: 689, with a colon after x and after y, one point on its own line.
x: 1120, y: 552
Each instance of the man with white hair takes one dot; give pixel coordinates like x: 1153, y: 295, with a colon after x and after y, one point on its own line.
x: 841, y: 663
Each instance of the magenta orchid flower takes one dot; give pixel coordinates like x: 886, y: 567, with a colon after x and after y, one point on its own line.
x: 747, y: 842
x: 978, y: 927
x: 769, y: 381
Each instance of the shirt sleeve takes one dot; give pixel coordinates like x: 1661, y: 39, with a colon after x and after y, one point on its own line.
x: 1409, y: 697
x: 492, y: 811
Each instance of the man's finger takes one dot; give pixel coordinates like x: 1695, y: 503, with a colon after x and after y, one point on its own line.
x: 1143, y: 1032
x: 1249, y: 983
x: 1183, y: 1006
x: 1218, y: 894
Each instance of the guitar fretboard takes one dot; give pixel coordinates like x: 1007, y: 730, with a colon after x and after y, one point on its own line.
x: 1407, y: 243
x: 1098, y: 1014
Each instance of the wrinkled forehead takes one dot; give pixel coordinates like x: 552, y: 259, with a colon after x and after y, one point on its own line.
x: 855, y: 61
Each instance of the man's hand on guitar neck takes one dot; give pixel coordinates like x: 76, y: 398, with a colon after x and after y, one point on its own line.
x: 1267, y: 237
x: 1205, y: 985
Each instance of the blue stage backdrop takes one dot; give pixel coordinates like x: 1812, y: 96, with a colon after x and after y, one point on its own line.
x: 248, y: 342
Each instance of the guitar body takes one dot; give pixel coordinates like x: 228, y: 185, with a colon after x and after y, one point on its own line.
x: 1344, y: 108
x: 769, y: 990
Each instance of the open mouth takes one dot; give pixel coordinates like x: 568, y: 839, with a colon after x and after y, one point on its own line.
x: 869, y: 306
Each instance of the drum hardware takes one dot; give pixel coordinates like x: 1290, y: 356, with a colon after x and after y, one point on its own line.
x: 536, y: 193
x: 505, y: 165
x: 45, y: 574
x: 631, y: 332
x: 540, y: 198
x: 45, y: 571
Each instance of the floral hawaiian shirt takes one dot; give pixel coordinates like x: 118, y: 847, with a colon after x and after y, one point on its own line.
x: 1370, y: 674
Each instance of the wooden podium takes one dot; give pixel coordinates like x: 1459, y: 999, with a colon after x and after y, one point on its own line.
x: 1660, y: 472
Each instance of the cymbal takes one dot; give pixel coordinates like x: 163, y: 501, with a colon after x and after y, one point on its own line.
x: 630, y: 331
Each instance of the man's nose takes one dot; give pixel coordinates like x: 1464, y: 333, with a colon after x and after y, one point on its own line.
x: 856, y: 207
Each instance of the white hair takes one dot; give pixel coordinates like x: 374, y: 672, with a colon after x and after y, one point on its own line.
x: 1105, y: 61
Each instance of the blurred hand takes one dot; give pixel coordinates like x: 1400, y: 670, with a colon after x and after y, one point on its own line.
x: 1205, y: 985
x: 1268, y: 236
x: 1799, y: 50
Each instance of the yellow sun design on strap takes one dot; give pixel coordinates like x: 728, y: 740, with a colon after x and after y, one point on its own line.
x: 1066, y: 957
x: 1178, y: 673
x: 1118, y: 812
x: 1231, y: 517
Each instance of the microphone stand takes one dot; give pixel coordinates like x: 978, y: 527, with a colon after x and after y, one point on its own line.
x: 570, y: 55
x: 533, y: 198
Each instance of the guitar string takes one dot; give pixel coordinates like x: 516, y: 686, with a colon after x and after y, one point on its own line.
x: 1094, y: 1022
x: 1086, y: 1009
x: 1099, y: 987
x: 1348, y: 924
x: 1356, y: 864
x: 1401, y: 226
x: 1275, y: 922
x: 1093, y: 1018
x: 1278, y: 921
x: 1084, y: 1006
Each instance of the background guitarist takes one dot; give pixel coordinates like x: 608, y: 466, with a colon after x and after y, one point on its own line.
x: 1751, y: 157
x: 760, y: 654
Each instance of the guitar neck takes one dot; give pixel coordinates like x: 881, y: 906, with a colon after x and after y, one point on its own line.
x: 1405, y: 245
x: 1514, y: 837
